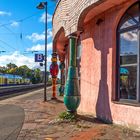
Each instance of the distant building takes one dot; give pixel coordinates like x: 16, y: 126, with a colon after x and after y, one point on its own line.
x: 10, y: 79
x: 108, y: 55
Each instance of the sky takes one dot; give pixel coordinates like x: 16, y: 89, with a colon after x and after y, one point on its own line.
x: 22, y: 31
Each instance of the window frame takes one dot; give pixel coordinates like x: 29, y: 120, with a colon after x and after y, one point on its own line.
x: 119, y: 32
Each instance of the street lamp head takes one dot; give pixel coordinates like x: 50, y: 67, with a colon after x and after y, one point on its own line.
x: 41, y: 5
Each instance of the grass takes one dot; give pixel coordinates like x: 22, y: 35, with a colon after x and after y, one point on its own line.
x: 67, y: 116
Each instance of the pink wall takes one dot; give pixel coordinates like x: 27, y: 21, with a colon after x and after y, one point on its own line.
x: 98, y: 70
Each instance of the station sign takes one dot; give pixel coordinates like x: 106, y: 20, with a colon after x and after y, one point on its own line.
x: 39, y: 57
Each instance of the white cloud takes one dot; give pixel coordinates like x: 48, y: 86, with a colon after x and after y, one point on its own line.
x: 36, y: 37
x: 15, y: 24
x: 39, y: 37
x: 49, y: 33
x: 49, y: 59
x: 20, y: 59
x: 130, y: 36
x: 40, y: 47
x: 4, y: 13
x: 42, y: 18
x: 127, y: 24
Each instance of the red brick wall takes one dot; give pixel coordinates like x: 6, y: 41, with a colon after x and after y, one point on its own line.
x: 98, y: 65
x: 68, y: 12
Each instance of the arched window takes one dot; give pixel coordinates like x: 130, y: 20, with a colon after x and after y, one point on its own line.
x: 129, y: 54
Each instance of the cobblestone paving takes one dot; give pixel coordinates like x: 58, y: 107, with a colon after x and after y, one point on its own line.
x: 42, y: 123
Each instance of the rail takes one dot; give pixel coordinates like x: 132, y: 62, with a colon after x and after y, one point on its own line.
x: 4, y: 91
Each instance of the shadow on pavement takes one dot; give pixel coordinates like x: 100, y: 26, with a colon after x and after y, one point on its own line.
x: 91, y: 119
x: 55, y: 101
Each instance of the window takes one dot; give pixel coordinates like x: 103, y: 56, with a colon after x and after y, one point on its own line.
x: 129, y: 54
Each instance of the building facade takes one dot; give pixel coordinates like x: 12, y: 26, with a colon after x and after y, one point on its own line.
x: 108, y: 55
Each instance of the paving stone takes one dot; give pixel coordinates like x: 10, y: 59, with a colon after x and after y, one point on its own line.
x: 42, y: 123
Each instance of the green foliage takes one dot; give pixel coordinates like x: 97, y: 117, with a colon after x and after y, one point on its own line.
x: 49, y: 81
x: 3, y: 69
x: 67, y: 116
x: 11, y: 65
x: 34, y: 75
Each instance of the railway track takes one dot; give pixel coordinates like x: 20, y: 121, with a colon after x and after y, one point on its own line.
x: 7, y: 92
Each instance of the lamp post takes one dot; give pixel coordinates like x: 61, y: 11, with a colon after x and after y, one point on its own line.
x: 43, y: 5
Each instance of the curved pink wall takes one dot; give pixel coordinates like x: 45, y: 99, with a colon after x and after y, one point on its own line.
x: 98, y: 70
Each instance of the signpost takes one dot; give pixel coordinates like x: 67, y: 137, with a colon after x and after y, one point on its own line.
x: 39, y: 57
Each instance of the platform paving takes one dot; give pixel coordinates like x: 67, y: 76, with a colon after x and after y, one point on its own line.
x: 41, y: 121
x: 11, y: 121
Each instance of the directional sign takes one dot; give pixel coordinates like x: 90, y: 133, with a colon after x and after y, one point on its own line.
x: 39, y: 57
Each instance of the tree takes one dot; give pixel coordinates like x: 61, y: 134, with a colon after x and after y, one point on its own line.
x: 33, y: 74
x: 36, y: 76
x: 24, y: 71
x: 11, y: 65
x: 3, y: 69
x: 12, y: 70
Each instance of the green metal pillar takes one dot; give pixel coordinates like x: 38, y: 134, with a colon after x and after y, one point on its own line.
x: 72, y: 93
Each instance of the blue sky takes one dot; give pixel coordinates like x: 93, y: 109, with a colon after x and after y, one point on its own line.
x: 22, y: 30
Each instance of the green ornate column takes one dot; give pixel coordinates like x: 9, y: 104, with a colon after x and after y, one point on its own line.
x: 72, y: 93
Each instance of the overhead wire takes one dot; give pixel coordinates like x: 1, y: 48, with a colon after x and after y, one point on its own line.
x: 12, y: 33
x: 5, y: 26
x: 8, y: 29
x: 3, y: 48
x: 20, y: 20
x: 7, y: 44
x: 15, y: 34
x: 23, y: 19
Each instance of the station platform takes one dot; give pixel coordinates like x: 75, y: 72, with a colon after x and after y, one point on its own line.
x: 28, y: 117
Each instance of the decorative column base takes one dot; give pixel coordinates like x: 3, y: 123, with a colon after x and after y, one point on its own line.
x: 72, y: 95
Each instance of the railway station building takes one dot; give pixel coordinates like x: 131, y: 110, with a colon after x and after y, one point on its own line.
x: 106, y: 44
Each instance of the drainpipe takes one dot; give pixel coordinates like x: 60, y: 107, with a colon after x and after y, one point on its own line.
x: 72, y: 92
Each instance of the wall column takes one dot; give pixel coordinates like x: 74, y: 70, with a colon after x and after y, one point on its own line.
x: 62, y: 76
x: 72, y: 93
